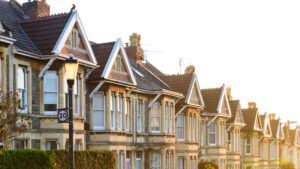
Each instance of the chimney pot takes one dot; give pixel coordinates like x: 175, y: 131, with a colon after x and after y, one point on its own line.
x: 251, y: 105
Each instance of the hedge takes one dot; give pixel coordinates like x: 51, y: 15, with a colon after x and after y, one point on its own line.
x: 40, y: 159
x: 207, y: 165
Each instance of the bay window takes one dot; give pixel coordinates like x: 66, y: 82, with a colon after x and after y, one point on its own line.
x: 156, y: 161
x: 99, y: 111
x: 139, y: 115
x: 272, y: 151
x: 50, y: 93
x: 120, y: 112
x: 248, y: 145
x: 138, y: 160
x: 180, y: 127
x: 113, y: 110
x: 166, y: 117
x: 155, y: 117
x: 212, y: 133
x: 171, y: 119
x: 127, y: 110
x: 77, y: 96
x: 22, y: 88
x: 121, y: 160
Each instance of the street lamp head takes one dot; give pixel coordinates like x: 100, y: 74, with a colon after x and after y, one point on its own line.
x: 71, y: 67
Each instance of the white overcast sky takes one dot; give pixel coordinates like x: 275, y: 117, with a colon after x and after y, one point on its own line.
x: 252, y: 46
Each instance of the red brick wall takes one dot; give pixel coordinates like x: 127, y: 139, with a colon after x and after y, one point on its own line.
x: 118, y: 76
x: 36, y: 9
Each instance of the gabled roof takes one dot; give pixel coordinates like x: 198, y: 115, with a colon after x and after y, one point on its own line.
x: 44, y: 32
x: 106, y: 54
x: 266, y: 124
x: 152, y: 68
x: 251, y: 117
x: 286, y: 131
x: 235, y: 108
x: 292, y: 136
x: 184, y: 84
x: 275, y: 127
x: 214, y: 99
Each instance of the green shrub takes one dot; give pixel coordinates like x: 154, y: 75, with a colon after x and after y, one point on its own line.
x: 40, y: 159
x: 286, y: 165
x: 248, y: 167
x: 207, y: 165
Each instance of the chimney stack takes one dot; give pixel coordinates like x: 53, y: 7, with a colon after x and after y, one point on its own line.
x: 36, y: 9
x: 135, y: 39
x: 272, y: 116
x: 134, y: 51
x: 251, y: 105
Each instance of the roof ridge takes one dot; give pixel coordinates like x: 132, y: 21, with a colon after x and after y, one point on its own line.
x: 207, y: 89
x: 166, y: 75
x: 53, y: 16
x: 96, y: 44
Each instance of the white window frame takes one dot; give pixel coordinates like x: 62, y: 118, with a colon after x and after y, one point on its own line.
x: 167, y: 161
x: 139, y: 107
x: 180, y: 127
x: 127, y: 110
x: 78, y: 96
x: 155, y: 116
x: 272, y: 151
x: 46, y: 92
x: 120, y: 111
x: 156, y: 160
x: 171, y: 118
x: 138, y: 159
x: 248, y: 145
x: 212, y: 133
x: 113, y: 111
x: 166, y: 117
x: 23, y: 92
x: 121, y: 160
x: 47, y: 144
x: 180, y: 159
x: 100, y: 110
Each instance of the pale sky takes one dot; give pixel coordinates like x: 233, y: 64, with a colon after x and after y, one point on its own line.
x: 252, y: 46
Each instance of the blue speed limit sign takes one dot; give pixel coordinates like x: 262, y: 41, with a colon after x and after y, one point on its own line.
x: 62, y: 115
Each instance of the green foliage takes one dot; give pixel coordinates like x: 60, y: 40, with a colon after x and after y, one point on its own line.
x: 286, y: 165
x: 207, y: 165
x: 40, y: 159
x: 248, y: 167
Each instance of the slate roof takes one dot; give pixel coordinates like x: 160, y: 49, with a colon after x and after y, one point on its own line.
x: 10, y: 17
x: 274, y: 127
x: 45, y: 31
x: 102, y: 52
x: 148, y: 82
x: 152, y: 68
x: 234, y: 106
x: 178, y: 83
x: 249, y: 118
x: 211, y: 99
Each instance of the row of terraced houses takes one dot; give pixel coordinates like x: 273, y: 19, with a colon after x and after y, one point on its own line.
x: 123, y: 103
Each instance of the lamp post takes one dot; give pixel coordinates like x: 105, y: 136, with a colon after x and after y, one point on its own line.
x: 71, y: 66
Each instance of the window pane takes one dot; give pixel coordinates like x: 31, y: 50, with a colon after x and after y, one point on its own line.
x: 50, y: 98
x: 50, y: 82
x: 98, y: 110
x: 21, y: 78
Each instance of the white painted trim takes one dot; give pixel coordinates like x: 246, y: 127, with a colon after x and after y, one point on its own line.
x: 47, y: 66
x: 229, y: 127
x: 118, y: 46
x: 7, y: 39
x: 88, y: 74
x: 180, y: 110
x: 191, y: 87
x: 96, y: 89
x: 212, y: 120
x: 73, y: 19
x: 222, y: 96
x: 154, y: 100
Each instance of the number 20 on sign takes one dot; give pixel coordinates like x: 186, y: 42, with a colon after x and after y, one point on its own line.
x: 62, y: 115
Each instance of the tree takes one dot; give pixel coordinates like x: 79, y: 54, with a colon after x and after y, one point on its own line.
x: 11, y: 123
x: 207, y: 165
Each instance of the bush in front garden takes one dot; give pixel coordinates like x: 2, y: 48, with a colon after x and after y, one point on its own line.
x: 40, y: 159
x: 207, y: 165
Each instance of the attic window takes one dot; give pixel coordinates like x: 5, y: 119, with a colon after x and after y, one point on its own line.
x: 74, y: 38
x: 118, y: 64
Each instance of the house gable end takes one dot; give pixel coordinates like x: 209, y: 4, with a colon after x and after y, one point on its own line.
x: 223, y: 106
x: 117, y: 67
x: 83, y: 50
x: 194, y: 95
